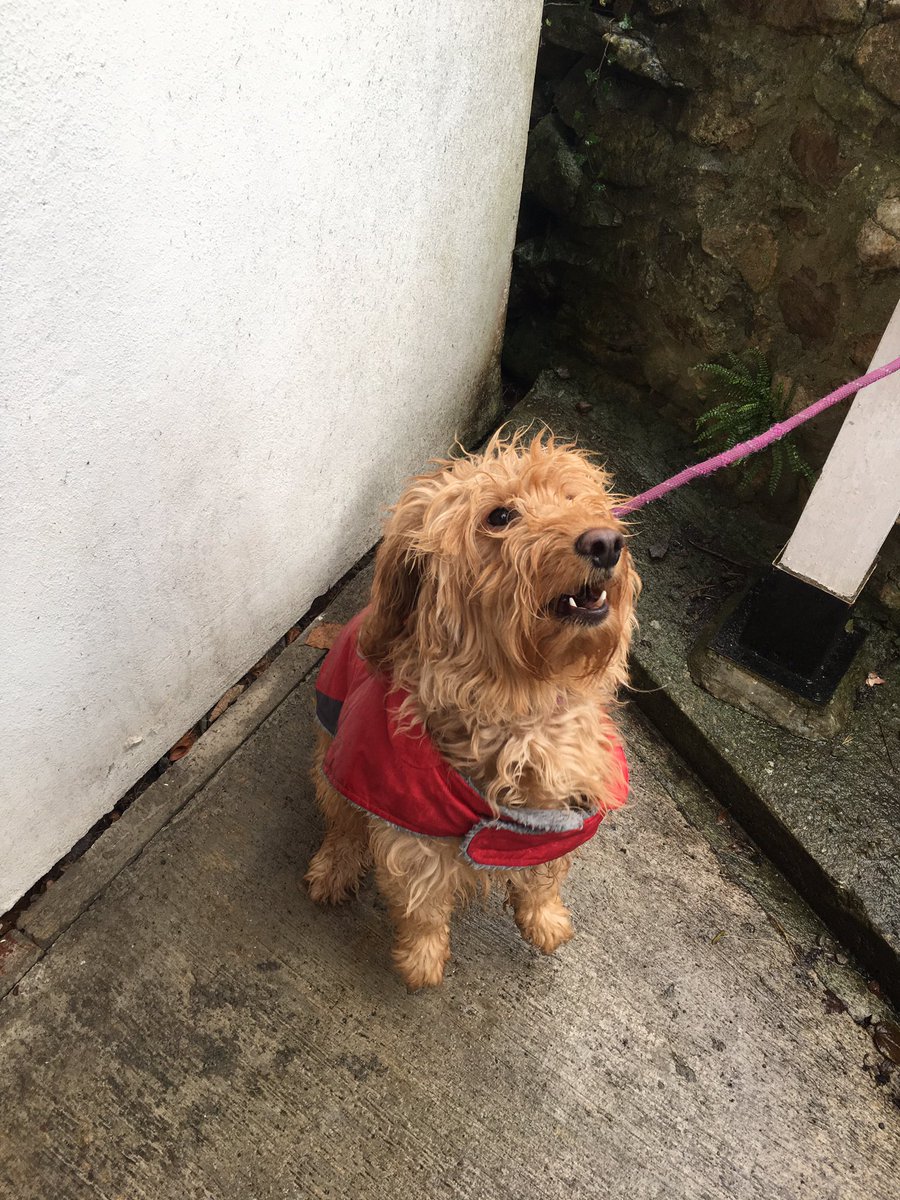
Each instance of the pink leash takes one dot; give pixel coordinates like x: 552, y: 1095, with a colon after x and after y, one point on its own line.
x: 760, y: 442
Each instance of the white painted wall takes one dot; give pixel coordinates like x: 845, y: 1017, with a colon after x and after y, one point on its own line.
x: 255, y: 259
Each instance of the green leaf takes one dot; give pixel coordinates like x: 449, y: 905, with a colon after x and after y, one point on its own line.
x: 750, y: 402
x: 777, y: 467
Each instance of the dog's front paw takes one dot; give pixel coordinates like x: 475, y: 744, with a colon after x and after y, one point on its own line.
x: 422, y: 963
x: 547, y: 928
x: 326, y: 884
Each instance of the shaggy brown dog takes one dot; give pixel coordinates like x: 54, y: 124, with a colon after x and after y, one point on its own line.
x: 503, y: 603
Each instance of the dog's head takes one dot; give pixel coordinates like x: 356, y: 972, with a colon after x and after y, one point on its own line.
x: 509, y: 563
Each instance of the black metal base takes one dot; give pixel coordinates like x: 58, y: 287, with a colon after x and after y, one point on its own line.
x: 794, y: 634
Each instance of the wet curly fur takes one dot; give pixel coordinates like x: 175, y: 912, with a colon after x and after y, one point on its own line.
x: 515, y: 692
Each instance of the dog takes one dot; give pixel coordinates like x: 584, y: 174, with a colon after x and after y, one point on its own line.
x: 488, y: 664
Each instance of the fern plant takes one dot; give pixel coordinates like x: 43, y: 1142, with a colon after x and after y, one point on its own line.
x: 749, y: 403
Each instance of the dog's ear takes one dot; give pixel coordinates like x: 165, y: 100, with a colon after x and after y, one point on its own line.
x: 398, y: 576
x: 630, y: 590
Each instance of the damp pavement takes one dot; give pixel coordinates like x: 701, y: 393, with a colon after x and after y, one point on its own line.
x: 185, y: 1023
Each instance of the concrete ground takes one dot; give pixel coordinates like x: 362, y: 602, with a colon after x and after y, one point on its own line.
x: 200, y: 1029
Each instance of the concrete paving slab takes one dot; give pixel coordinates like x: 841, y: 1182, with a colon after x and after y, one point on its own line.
x: 202, y: 1030
x: 18, y: 954
x: 827, y: 814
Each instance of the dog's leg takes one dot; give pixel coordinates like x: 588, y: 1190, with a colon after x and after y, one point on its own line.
x: 540, y: 914
x: 418, y: 880
x: 343, y: 858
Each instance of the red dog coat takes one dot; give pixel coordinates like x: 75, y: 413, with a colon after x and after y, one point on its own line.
x: 398, y: 775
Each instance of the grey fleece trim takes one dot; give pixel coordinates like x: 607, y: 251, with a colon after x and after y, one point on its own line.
x: 544, y: 820
x: 539, y: 820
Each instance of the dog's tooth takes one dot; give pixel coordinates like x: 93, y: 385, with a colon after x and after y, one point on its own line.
x: 602, y: 598
x: 572, y: 603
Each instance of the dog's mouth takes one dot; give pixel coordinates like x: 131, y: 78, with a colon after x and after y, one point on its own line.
x: 587, y: 607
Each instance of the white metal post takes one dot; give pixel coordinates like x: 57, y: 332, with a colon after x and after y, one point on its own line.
x: 857, y: 496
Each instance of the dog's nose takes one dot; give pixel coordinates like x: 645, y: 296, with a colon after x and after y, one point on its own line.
x: 601, y: 546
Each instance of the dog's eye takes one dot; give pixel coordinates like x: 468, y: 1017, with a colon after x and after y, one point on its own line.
x: 498, y: 518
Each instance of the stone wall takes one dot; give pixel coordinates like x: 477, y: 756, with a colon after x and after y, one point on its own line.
x: 706, y: 176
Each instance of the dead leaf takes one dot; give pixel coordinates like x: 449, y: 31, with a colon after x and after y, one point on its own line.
x: 225, y: 702
x: 257, y: 669
x: 777, y: 925
x: 181, y: 747
x: 291, y: 636
x: 873, y: 680
x: 324, y: 635
x: 583, y: 406
x: 887, y: 1041
x: 833, y: 1003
